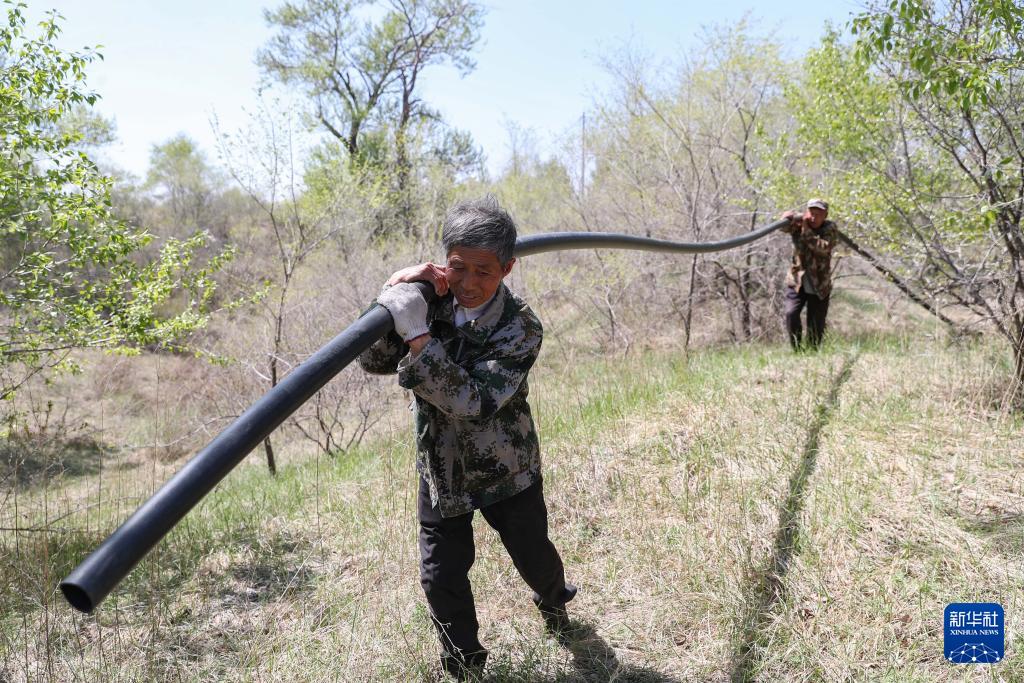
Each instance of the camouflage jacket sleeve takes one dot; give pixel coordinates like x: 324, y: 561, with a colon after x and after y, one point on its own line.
x: 819, y: 244
x: 383, y: 356
x: 479, y: 391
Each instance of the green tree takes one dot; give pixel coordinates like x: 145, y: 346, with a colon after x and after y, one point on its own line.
x: 360, y: 63
x: 266, y: 160
x: 680, y: 153
x: 184, y: 181
x: 916, y: 130
x: 92, y: 130
x: 360, y: 73
x: 71, y: 275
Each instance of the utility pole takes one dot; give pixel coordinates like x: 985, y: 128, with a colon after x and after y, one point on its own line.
x: 583, y: 154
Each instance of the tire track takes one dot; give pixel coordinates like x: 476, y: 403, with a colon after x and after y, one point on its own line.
x: 768, y: 585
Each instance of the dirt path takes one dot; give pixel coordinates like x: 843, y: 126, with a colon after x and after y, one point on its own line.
x: 769, y: 584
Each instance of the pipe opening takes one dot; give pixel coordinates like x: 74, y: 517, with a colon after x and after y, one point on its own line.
x: 78, y: 598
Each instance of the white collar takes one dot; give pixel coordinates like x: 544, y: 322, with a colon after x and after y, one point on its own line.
x: 464, y: 314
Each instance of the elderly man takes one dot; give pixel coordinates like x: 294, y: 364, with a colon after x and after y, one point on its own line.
x: 809, y: 281
x: 466, y: 357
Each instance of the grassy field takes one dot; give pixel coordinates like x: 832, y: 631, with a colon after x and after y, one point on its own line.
x: 741, y: 514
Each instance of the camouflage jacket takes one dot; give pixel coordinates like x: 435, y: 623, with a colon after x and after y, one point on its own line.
x: 475, y: 438
x: 812, y: 255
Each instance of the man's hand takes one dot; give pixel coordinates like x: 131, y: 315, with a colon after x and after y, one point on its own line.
x: 793, y: 217
x: 416, y: 345
x: 407, y: 308
x: 424, y: 272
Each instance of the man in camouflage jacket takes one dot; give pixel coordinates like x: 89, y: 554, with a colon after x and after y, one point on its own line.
x: 809, y: 281
x: 466, y: 358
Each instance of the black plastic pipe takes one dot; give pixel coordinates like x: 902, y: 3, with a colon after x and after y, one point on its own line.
x: 92, y: 580
x: 558, y: 241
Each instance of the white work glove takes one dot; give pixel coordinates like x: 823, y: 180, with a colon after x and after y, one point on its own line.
x: 408, y: 309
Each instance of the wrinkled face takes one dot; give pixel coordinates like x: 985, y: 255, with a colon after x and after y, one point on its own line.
x: 474, y: 274
x: 815, y: 217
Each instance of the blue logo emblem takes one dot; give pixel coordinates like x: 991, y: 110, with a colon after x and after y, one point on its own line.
x: 974, y: 632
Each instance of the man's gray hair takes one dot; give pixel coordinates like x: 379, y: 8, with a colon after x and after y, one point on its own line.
x: 480, y: 224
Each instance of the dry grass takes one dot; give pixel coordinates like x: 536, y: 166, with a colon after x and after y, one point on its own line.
x: 710, y: 540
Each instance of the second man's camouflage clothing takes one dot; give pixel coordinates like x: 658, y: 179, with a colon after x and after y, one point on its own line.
x: 812, y: 257
x: 475, y: 438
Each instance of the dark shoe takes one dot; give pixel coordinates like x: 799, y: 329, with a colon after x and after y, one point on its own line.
x: 556, y: 617
x: 568, y: 593
x: 464, y: 667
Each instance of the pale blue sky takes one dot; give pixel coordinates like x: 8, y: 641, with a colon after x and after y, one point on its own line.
x: 169, y: 64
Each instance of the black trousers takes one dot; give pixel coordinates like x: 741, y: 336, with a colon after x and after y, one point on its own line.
x: 817, y: 311
x: 447, y: 552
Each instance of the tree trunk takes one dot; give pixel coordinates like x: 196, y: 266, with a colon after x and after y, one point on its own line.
x: 744, y: 281
x: 402, y: 155
x: 689, y: 306
x: 267, y: 446
x: 271, y: 463
x: 895, y: 279
x: 404, y: 191
x: 278, y: 335
x: 1017, y: 391
x: 746, y: 318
